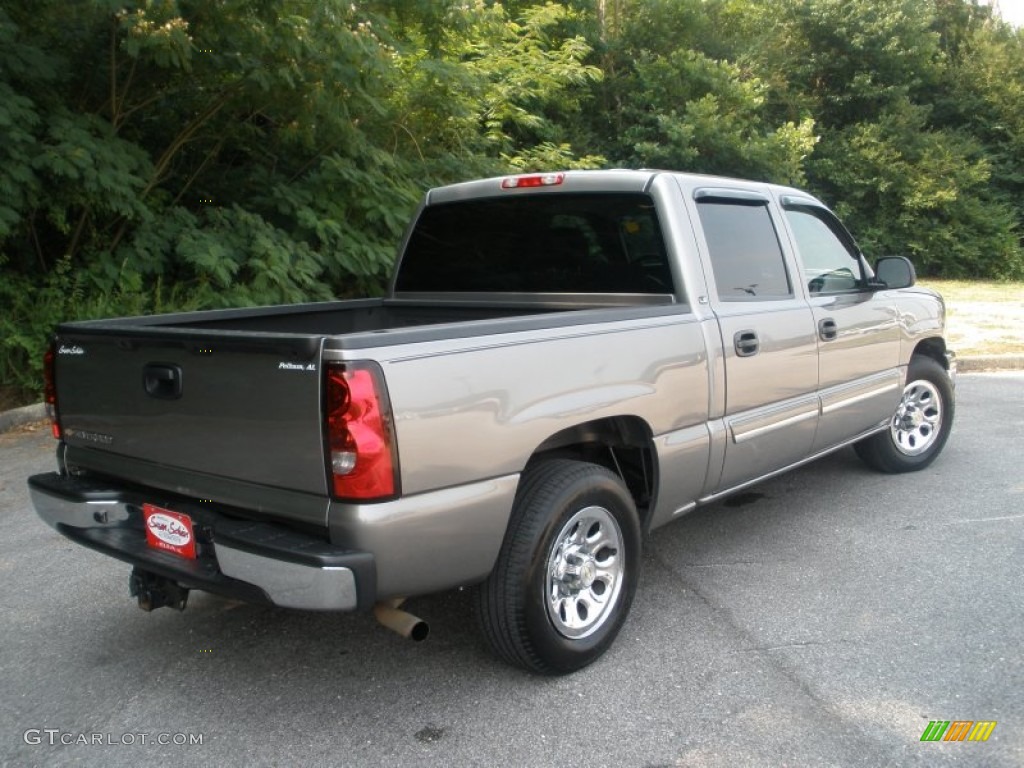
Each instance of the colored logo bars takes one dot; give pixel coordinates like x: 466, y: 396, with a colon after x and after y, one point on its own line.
x: 958, y: 730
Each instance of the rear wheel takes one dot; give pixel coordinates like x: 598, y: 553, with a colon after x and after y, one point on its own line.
x: 920, y: 426
x: 566, y: 575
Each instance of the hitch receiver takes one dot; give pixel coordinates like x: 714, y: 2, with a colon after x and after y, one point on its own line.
x: 155, y: 591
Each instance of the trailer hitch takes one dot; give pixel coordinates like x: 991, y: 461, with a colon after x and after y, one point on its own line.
x: 155, y: 591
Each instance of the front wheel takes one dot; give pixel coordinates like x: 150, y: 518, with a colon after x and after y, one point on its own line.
x: 920, y: 426
x: 567, y: 571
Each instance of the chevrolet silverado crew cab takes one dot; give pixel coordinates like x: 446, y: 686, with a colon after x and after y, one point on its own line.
x: 563, y: 364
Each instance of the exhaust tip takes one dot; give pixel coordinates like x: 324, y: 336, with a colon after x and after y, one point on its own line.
x: 404, y: 623
x: 420, y: 631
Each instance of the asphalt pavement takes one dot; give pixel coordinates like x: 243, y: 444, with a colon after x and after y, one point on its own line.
x: 823, y: 618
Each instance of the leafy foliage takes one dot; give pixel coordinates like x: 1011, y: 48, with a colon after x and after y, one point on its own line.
x: 158, y: 155
x: 876, y: 76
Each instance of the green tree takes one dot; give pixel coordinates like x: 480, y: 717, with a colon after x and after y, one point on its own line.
x: 669, y: 101
x: 148, y: 144
x: 875, y: 76
x: 492, y: 90
x: 983, y: 96
x: 174, y: 154
x: 170, y: 154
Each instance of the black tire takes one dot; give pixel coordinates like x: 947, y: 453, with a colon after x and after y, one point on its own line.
x: 920, y: 426
x: 566, y: 517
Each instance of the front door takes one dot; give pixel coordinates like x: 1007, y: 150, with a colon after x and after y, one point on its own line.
x: 857, y: 329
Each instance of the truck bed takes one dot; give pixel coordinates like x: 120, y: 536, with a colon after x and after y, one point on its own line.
x: 227, y: 404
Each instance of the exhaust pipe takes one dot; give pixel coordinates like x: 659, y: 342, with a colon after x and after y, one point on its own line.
x: 404, y: 623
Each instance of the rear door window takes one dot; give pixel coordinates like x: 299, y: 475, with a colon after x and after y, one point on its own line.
x: 746, y: 257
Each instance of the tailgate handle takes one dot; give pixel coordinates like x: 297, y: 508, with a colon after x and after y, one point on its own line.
x: 162, y: 380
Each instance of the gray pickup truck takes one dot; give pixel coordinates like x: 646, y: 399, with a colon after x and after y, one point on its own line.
x: 563, y: 363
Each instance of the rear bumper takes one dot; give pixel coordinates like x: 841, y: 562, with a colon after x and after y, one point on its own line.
x: 252, y: 561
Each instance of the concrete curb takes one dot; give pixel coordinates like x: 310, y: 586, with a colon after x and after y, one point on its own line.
x: 19, y: 416
x: 979, y: 363
x: 973, y: 364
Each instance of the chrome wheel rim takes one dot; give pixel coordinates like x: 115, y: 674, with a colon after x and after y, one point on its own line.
x: 918, y: 418
x: 585, y: 573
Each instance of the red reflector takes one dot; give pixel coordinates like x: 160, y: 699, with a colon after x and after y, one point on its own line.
x: 360, y: 444
x: 50, y: 392
x: 539, y: 180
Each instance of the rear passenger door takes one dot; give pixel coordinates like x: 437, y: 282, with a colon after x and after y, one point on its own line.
x: 857, y: 329
x: 768, y: 336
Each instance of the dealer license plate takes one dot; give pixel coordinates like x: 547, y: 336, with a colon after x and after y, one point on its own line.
x: 169, y: 531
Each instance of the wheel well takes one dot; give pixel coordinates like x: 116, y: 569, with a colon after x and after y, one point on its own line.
x: 934, y: 348
x: 622, y: 444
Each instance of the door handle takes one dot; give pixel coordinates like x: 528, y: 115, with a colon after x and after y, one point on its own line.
x: 162, y: 380
x: 827, y: 329
x: 745, y: 343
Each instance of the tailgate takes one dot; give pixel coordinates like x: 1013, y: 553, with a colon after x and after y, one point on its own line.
x: 240, y: 408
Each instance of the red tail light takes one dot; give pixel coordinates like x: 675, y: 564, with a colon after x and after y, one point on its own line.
x: 50, y: 391
x: 362, y: 460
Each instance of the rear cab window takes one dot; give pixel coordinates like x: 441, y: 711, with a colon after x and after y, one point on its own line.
x: 541, y: 243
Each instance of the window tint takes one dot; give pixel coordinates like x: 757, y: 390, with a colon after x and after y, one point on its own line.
x: 546, y: 243
x: 745, y: 253
x: 829, y: 264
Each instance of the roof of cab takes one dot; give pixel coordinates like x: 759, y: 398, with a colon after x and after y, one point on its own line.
x: 592, y: 181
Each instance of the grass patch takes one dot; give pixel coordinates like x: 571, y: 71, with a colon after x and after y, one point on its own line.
x: 982, y: 317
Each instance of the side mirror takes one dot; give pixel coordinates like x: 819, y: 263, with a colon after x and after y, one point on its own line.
x: 894, y: 272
